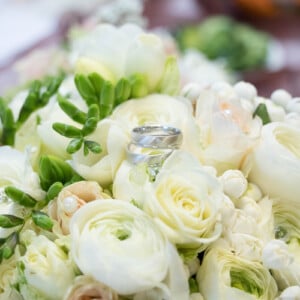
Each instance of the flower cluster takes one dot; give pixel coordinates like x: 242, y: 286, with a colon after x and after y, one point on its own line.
x: 218, y: 218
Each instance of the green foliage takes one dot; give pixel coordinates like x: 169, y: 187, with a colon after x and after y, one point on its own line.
x: 262, y: 112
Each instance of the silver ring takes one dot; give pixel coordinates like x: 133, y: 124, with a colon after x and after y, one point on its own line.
x: 157, y: 136
x: 137, y: 154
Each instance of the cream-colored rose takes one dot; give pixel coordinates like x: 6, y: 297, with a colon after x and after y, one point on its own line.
x: 103, y: 230
x: 185, y: 201
x: 228, y: 130
x: 85, y: 287
x: 44, y: 264
x: 71, y: 198
x: 103, y: 166
x: 164, y: 110
x: 276, y: 162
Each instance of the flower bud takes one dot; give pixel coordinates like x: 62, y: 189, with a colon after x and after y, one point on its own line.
x: 245, y: 90
x: 281, y: 97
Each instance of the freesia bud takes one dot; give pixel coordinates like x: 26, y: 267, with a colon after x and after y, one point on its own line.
x: 245, y: 90
x: 281, y: 97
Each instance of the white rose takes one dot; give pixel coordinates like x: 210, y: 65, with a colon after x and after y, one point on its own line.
x: 225, y: 123
x: 102, y: 167
x: 276, y: 255
x: 44, y: 262
x: 161, y: 109
x: 185, y: 201
x: 290, y: 293
x: 105, y: 229
x: 276, y: 162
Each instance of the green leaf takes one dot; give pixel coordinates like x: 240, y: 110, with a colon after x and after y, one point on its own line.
x: 139, y: 88
x: 74, y: 145
x: 106, y: 99
x: 71, y: 110
x: 86, y: 89
x: 97, y: 82
x: 51, y: 88
x: 122, y: 91
x: 42, y: 220
x: 9, y: 221
x: 67, y: 130
x: 20, y: 197
x: 93, y: 146
x: 89, y: 126
x: 53, y: 169
x: 9, y: 128
x: 262, y: 112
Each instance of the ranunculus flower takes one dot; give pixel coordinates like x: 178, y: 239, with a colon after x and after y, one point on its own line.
x: 71, y: 198
x: 164, y: 110
x: 44, y: 261
x: 276, y: 162
x: 225, y: 275
x: 102, y: 167
x: 103, y: 230
x: 185, y: 202
x: 228, y: 130
x: 121, y: 52
x: 86, y: 288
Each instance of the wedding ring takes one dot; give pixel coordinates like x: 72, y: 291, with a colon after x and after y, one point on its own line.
x: 137, y: 154
x: 157, y: 136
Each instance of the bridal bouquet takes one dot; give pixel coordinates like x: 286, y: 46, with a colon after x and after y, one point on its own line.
x: 118, y: 181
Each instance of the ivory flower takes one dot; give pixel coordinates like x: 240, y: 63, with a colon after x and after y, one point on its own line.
x: 102, y: 167
x: 224, y: 275
x: 105, y: 229
x: 85, y: 287
x: 44, y: 262
x: 71, y: 198
x: 160, y: 109
x: 290, y: 293
x: 276, y: 162
x: 185, y: 202
x: 228, y: 130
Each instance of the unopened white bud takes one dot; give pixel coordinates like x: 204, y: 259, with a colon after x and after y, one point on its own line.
x: 281, y: 97
x: 276, y: 112
x: 234, y: 183
x: 293, y: 105
x: 245, y: 90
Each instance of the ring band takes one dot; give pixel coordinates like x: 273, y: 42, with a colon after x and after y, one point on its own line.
x: 153, y: 157
x: 157, y: 136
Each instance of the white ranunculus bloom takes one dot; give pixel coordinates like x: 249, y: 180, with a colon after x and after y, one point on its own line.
x: 224, y: 275
x: 164, y: 110
x: 102, y: 167
x: 228, y: 130
x: 185, y: 202
x: 276, y: 162
x: 105, y: 229
x: 16, y: 170
x: 43, y: 263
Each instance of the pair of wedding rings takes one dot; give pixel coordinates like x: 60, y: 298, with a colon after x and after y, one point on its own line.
x: 152, y: 144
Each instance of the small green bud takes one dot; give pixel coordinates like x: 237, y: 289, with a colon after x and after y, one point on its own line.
x: 139, y: 87
x: 122, y: 91
x: 93, y: 146
x: 19, y: 197
x: 262, y: 112
x: 9, y: 221
x: 42, y: 220
x: 67, y: 130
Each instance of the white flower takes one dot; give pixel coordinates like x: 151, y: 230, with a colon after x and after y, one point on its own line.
x: 44, y: 263
x: 275, y: 111
x: 105, y: 229
x: 293, y: 105
x: 281, y: 97
x: 224, y: 275
x: 253, y: 192
x: 184, y: 201
x: 8, y: 276
x: 85, y: 287
x: 160, y: 109
x: 102, y: 167
x: 16, y: 170
x: 293, y: 118
x: 234, y: 183
x: 290, y: 293
x: 276, y: 255
x: 228, y: 130
x: 276, y: 162
x: 245, y: 90
x: 120, y: 52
